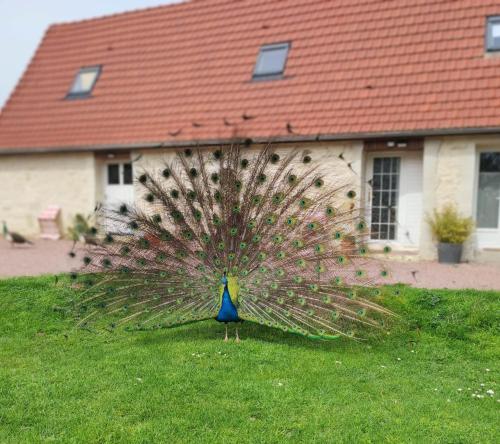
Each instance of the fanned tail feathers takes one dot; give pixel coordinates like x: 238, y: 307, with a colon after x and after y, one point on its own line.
x: 295, y: 242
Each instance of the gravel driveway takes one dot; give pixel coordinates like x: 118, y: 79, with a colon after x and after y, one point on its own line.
x: 52, y: 257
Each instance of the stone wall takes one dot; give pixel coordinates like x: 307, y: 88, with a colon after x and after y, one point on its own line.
x: 450, y: 176
x: 30, y: 183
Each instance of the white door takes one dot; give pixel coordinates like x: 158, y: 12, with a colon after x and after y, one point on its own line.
x: 488, y: 200
x: 118, y: 188
x: 394, y: 198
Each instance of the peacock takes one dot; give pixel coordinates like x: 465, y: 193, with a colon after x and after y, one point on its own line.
x: 14, y: 238
x: 235, y: 233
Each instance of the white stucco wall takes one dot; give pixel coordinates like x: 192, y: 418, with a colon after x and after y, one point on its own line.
x: 30, y: 183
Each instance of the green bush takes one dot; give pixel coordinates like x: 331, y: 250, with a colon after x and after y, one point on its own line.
x: 449, y: 227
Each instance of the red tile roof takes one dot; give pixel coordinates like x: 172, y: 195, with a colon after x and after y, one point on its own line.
x: 355, y: 67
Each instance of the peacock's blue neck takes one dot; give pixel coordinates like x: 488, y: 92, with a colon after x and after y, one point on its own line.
x: 227, y: 311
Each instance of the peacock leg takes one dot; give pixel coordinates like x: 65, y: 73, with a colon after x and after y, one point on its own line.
x: 226, y: 338
x: 237, y: 337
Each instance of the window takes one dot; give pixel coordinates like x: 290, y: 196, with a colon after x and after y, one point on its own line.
x: 271, y: 61
x: 493, y: 34
x: 113, y: 174
x: 84, y: 82
x: 385, y: 187
x: 127, y: 174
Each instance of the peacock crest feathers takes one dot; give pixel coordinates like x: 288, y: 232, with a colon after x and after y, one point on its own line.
x: 291, y: 242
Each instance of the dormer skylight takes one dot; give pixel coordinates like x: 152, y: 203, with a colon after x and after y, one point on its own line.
x: 493, y: 34
x: 271, y: 61
x: 84, y: 82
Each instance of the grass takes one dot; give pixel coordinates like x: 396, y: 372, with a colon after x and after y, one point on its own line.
x: 185, y: 385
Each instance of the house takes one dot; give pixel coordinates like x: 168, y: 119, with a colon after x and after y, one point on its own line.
x: 407, y: 93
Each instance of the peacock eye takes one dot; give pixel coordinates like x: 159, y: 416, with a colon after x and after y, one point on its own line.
x: 143, y: 178
x: 218, y: 155
x: 306, y: 159
x: 318, y: 183
x: 351, y: 194
x: 166, y: 173
x: 361, y: 226
x: 214, y: 177
x: 188, y: 152
x: 257, y: 199
x: 244, y: 163
x: 275, y: 158
x: 193, y: 172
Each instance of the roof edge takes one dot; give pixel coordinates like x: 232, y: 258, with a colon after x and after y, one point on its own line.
x: 282, y: 139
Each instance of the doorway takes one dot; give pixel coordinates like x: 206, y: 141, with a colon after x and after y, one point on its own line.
x: 118, y: 188
x: 394, y: 198
x: 488, y: 200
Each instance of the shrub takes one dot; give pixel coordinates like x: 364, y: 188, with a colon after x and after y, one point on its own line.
x: 449, y: 227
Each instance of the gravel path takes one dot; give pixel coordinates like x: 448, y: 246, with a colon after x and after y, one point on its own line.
x: 52, y: 257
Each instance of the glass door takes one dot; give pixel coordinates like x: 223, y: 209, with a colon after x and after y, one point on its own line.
x: 119, y: 188
x: 488, y: 201
x: 384, y: 198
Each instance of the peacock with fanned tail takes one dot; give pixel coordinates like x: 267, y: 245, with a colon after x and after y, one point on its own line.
x: 235, y: 234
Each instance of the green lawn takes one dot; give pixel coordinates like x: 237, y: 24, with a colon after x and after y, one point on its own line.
x: 186, y: 385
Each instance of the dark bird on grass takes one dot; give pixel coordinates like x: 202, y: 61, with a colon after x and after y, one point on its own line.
x: 289, y: 128
x: 14, y: 238
x: 236, y: 236
x: 175, y: 133
x: 246, y: 116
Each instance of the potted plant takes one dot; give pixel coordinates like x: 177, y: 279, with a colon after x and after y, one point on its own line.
x: 451, y: 230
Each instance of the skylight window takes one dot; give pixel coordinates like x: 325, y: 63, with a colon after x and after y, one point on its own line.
x: 84, y: 82
x: 271, y: 61
x: 493, y: 34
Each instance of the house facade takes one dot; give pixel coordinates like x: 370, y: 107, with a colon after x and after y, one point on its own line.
x: 401, y: 99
